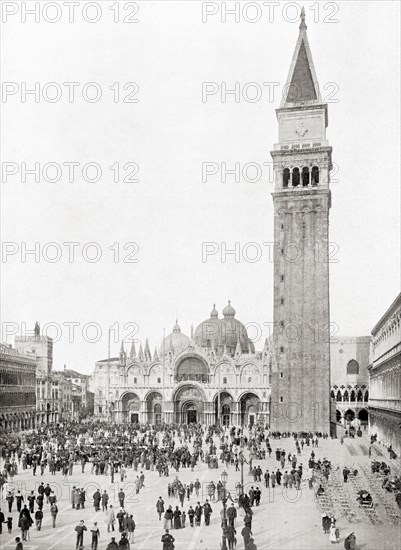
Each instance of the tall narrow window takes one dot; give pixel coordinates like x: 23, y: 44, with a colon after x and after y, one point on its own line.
x: 305, y: 176
x: 315, y: 175
x: 295, y: 177
x: 286, y: 177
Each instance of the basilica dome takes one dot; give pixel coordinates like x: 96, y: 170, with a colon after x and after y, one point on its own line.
x: 223, y: 334
x: 175, y: 341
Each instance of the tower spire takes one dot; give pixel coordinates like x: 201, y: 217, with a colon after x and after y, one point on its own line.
x: 302, y: 25
x: 301, y: 86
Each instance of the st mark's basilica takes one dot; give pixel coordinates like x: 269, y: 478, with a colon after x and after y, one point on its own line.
x: 212, y: 376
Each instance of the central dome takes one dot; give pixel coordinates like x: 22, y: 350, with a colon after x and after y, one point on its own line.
x: 176, y: 341
x: 223, y: 334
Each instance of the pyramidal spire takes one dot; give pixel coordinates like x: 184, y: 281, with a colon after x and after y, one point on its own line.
x: 155, y: 355
x: 140, y: 353
x: 132, y: 352
x: 147, y: 350
x: 301, y: 87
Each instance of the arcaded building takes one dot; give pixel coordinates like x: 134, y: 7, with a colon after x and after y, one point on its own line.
x: 385, y: 378
x: 349, y: 361
x: 17, y: 389
x: 213, y: 376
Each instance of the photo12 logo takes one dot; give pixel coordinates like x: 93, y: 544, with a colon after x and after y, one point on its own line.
x: 69, y: 92
x: 267, y: 12
x: 69, y: 11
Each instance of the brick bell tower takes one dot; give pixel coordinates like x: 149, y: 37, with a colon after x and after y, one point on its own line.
x: 300, y: 377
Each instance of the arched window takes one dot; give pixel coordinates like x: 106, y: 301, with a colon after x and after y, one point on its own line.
x: 315, y: 175
x: 225, y: 380
x: 353, y: 367
x: 295, y: 177
x: 346, y: 397
x: 286, y: 177
x: 366, y: 395
x: 352, y: 396
x: 305, y: 176
x: 332, y: 394
x: 338, y: 397
x: 359, y: 396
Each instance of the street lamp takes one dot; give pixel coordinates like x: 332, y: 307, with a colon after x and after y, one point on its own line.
x: 224, y: 477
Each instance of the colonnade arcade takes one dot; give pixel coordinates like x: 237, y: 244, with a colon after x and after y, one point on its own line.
x: 189, y: 403
x: 17, y: 421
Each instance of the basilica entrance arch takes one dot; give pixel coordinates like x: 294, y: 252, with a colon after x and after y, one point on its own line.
x: 154, y: 407
x: 225, y: 401
x: 249, y: 408
x: 130, y: 406
x: 189, y: 404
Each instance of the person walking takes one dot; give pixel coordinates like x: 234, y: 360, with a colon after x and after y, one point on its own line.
x: 110, y: 518
x: 230, y: 535
x: 80, y: 529
x: 95, y: 536
x: 121, y: 498
x: 105, y: 500
x: 168, y: 518
x: 97, y: 497
x: 131, y: 528
x: 53, y: 513
x: 38, y: 519
x: 160, y: 507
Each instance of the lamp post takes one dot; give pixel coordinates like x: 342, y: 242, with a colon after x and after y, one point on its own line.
x: 224, y: 477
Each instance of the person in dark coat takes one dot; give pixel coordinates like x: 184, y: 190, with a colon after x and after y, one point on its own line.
x: 177, y: 518
x: 112, y: 544
x: 38, y: 519
x: 19, y: 544
x: 2, y: 520
x: 230, y: 535
x: 123, y: 543
x: 207, y: 511
x: 168, y: 541
x: 31, y: 501
x: 160, y: 507
x: 198, y: 514
x: 191, y: 515
x: 97, y: 497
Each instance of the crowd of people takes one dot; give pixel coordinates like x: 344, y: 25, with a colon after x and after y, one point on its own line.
x: 107, y: 451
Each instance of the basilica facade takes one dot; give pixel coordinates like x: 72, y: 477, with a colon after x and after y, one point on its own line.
x: 212, y: 376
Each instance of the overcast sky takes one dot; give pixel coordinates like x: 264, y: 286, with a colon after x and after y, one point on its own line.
x: 169, y: 133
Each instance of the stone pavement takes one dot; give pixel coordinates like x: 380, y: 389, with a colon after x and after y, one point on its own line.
x: 285, y: 519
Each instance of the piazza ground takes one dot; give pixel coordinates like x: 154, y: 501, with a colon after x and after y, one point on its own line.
x: 282, y: 521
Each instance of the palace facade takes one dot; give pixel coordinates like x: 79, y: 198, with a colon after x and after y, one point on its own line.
x: 213, y: 376
x: 385, y: 378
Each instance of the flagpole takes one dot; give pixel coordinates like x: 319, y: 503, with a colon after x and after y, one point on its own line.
x: 164, y: 368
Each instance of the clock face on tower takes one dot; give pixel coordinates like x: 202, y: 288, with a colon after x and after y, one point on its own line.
x: 301, y: 129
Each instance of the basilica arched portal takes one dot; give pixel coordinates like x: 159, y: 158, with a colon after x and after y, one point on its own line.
x: 131, y: 406
x: 189, y: 404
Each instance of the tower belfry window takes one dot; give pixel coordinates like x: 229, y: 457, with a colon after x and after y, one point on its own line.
x: 286, y: 177
x: 305, y: 176
x: 295, y: 177
x: 315, y: 175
